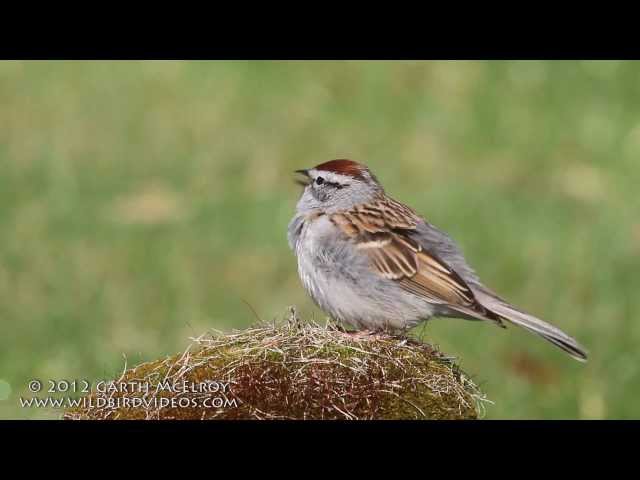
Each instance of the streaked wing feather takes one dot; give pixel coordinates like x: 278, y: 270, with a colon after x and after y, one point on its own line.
x: 437, y: 279
x: 381, y: 229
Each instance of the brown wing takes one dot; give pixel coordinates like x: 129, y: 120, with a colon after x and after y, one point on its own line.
x: 381, y: 230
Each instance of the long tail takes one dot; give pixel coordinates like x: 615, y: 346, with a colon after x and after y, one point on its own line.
x: 550, y: 333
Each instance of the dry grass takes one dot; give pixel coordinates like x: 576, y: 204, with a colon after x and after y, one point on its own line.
x: 291, y: 371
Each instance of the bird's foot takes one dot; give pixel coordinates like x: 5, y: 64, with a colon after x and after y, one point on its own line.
x: 363, y: 334
x: 335, y: 325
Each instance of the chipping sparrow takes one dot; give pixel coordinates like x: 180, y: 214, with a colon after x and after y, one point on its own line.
x: 371, y: 262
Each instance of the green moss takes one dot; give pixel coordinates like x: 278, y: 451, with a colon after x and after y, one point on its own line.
x: 291, y: 371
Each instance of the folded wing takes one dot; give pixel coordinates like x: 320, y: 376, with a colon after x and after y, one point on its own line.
x: 382, y: 231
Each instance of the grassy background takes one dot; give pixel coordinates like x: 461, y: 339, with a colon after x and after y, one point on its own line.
x: 142, y: 203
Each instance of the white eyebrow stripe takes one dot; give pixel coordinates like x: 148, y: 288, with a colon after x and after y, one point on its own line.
x: 330, y: 177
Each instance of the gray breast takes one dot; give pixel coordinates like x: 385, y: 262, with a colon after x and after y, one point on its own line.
x: 340, y: 280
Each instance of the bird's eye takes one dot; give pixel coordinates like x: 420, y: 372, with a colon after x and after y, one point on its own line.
x: 319, y: 180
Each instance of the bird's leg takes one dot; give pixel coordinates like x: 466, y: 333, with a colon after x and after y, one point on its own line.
x: 335, y: 325
x: 359, y: 334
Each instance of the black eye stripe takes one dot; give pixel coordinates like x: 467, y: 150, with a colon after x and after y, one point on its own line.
x: 322, y: 181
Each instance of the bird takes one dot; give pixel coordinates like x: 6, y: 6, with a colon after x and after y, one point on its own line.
x: 372, y: 263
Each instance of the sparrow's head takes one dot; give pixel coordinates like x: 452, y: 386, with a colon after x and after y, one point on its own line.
x: 336, y: 185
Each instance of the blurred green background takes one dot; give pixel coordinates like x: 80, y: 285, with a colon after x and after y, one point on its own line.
x: 142, y: 203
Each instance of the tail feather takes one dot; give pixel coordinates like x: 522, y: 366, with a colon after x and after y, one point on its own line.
x: 529, y: 322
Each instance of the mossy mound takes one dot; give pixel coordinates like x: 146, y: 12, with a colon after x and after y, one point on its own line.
x: 290, y: 371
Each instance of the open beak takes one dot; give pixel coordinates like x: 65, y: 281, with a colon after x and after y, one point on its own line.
x: 303, y: 178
